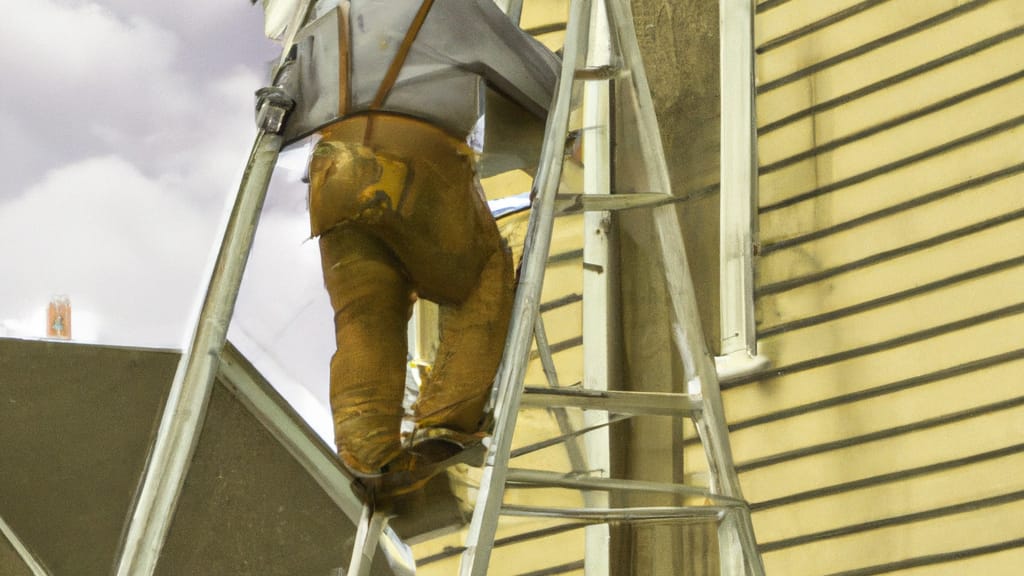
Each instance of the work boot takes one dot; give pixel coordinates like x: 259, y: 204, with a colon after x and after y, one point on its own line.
x: 414, y: 467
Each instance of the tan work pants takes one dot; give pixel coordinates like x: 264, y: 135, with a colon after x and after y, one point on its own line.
x: 400, y: 215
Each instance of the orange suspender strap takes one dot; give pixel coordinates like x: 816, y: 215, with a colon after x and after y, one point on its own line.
x: 403, y: 51
x: 396, y: 65
x: 344, y: 47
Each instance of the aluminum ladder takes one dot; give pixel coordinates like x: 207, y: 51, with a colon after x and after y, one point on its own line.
x: 702, y: 402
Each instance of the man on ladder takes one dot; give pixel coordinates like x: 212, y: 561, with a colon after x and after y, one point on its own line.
x: 396, y: 203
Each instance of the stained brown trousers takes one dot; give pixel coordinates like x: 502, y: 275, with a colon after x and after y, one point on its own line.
x: 400, y: 215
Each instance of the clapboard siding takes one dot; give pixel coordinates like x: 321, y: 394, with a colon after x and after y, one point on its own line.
x: 878, y: 414
x: 985, y: 561
x: 929, y: 311
x: 884, y: 23
x: 832, y: 464
x: 969, y: 212
x: 775, y: 27
x: 925, y: 180
x: 918, y: 363
x: 961, y: 257
x: 888, y: 435
x: 892, y: 544
x: 917, y: 96
x: 858, y: 75
x: 825, y: 405
x: 825, y: 169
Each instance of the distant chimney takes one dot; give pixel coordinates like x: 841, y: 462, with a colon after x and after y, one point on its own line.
x: 58, y: 318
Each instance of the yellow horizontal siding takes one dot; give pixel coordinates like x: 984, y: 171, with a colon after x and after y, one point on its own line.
x: 936, y: 173
x: 905, y: 141
x: 968, y: 208
x: 870, y: 415
x: 564, y: 324
x: 874, y: 415
x: 999, y: 61
x: 547, y: 13
x: 900, y: 56
x: 868, y: 372
x: 851, y: 33
x: 514, y: 559
x: 910, y: 496
x: 892, y: 544
x: 524, y: 557
x: 1004, y: 563
x: 864, y: 392
x: 772, y: 24
x: 920, y: 448
x: 930, y: 310
x: 946, y: 125
x: 996, y: 244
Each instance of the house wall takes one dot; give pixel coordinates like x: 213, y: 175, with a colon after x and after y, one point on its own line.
x: 886, y: 437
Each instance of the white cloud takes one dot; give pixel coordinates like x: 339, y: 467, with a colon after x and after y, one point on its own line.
x: 130, y: 161
x: 207, y: 161
x: 119, y: 244
x: 126, y: 128
x: 81, y: 63
x: 198, y: 16
x: 77, y: 39
x: 91, y: 80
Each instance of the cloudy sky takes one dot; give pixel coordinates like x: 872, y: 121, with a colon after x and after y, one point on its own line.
x: 126, y: 124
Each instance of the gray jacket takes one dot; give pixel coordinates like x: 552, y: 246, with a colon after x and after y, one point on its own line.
x: 466, y: 54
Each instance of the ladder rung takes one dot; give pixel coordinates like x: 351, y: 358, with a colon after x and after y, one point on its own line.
x: 614, y: 401
x: 570, y: 203
x: 548, y: 479
x: 605, y: 72
x: 636, y: 515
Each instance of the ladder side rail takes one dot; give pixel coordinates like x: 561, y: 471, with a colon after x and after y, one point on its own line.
x: 730, y: 548
x: 185, y: 412
x: 700, y: 372
x: 687, y: 334
x: 526, y: 307
x: 370, y: 528
x: 188, y: 399
x: 699, y: 366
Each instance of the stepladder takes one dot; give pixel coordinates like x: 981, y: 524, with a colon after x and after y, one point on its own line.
x: 622, y: 167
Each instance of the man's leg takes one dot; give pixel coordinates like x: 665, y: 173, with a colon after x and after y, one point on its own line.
x: 439, y: 227
x: 456, y: 257
x: 472, y: 338
x: 372, y: 300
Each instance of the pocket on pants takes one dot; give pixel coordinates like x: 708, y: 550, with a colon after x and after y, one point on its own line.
x: 350, y: 182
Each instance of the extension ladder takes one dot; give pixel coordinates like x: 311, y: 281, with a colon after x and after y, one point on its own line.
x: 702, y: 402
